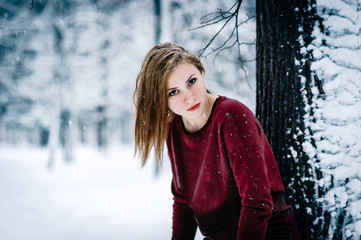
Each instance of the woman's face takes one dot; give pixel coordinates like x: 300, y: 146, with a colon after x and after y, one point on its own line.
x: 187, y: 93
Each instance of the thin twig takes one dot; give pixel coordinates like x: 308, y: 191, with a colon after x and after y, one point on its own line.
x: 224, y: 25
x: 223, y: 45
x: 245, y: 21
x: 222, y: 49
x: 216, y: 18
x: 226, y: 17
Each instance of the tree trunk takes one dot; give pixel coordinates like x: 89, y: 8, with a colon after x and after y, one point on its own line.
x: 55, y: 104
x: 101, y: 127
x: 283, y: 77
x: 102, y: 111
x: 158, y: 20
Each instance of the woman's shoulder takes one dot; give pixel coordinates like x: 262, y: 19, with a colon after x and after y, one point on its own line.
x: 228, y: 107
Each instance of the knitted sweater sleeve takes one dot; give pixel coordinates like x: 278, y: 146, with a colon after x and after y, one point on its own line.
x: 244, y: 141
x: 184, y: 225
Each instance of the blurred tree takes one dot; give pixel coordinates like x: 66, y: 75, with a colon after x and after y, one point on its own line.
x: 61, y: 127
x: 158, y: 20
x: 102, y: 108
x: 15, y: 55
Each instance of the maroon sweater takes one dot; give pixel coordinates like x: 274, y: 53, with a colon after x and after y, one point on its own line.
x: 225, y: 177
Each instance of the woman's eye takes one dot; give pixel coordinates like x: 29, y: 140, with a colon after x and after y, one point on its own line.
x: 172, y: 93
x: 192, y: 81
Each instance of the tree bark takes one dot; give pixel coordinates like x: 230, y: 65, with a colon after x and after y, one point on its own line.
x: 282, y: 96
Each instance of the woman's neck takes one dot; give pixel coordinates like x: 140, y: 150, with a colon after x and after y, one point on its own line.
x: 197, y: 124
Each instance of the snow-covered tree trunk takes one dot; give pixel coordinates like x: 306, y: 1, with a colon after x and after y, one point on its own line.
x: 283, y: 77
x: 54, y: 126
x: 56, y: 98
x: 102, y: 109
x: 337, y: 125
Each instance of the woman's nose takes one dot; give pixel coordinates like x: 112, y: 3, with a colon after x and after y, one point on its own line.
x: 189, y: 97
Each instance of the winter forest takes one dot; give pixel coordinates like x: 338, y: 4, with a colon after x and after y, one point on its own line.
x: 67, y: 75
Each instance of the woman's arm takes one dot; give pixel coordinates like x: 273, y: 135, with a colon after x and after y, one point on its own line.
x: 245, y: 147
x: 184, y: 224
x: 250, y: 173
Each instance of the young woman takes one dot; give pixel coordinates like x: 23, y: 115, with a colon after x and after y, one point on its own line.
x: 225, y: 178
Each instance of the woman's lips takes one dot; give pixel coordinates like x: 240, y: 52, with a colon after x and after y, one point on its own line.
x: 194, y: 107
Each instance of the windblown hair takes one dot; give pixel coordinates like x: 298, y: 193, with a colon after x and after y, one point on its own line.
x: 151, y: 98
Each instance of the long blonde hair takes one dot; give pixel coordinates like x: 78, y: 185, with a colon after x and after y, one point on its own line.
x: 151, y: 98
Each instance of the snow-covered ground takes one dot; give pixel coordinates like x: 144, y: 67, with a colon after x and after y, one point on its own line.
x: 98, y: 196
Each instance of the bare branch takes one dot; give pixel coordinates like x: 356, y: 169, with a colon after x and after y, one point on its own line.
x: 218, y: 14
x: 245, y: 21
x: 222, y: 47
x: 219, y: 17
x: 234, y: 38
x: 221, y: 50
x: 214, y: 37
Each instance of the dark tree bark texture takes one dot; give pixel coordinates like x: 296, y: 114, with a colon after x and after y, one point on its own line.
x: 281, y: 100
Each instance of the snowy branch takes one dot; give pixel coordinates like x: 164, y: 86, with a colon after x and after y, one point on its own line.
x: 344, y: 64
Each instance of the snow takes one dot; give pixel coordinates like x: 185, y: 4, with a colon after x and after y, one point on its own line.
x: 349, y: 58
x: 101, y: 195
x: 358, y: 223
x: 349, y: 41
x: 338, y: 112
x: 340, y: 25
x: 338, y: 6
x: 105, y: 195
